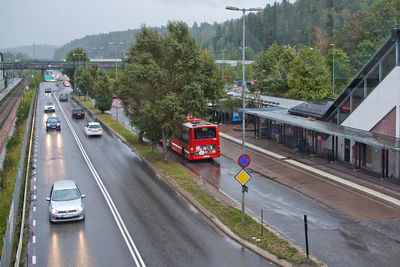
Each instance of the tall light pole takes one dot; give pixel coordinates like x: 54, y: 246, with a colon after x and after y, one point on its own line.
x: 244, y: 187
x: 79, y: 55
x: 333, y: 67
x: 243, y: 68
x: 115, y: 45
x: 116, y: 76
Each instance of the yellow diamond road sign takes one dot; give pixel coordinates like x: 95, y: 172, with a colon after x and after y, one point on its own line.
x: 243, y: 177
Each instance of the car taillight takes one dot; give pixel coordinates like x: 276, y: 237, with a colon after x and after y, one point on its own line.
x: 74, y: 113
x: 89, y: 129
x: 100, y: 129
x: 191, y: 150
x: 83, y: 113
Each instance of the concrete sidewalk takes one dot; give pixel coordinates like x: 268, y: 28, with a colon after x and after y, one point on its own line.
x: 335, y: 172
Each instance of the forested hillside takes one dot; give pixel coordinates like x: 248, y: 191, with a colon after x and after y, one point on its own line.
x: 315, y: 23
x: 357, y: 26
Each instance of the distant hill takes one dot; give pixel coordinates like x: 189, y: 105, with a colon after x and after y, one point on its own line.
x: 315, y: 23
x: 33, y: 51
x: 98, y: 46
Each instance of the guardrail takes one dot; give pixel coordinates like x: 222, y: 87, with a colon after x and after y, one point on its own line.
x: 8, y: 238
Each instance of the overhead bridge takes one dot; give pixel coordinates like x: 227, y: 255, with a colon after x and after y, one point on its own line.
x: 61, y: 64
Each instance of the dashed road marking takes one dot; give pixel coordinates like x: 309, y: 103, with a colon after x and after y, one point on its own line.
x: 34, y: 222
x: 33, y: 239
x: 34, y: 208
x: 33, y: 259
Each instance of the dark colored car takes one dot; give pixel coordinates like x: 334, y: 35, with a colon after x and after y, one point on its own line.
x: 53, y: 123
x: 47, y: 90
x: 63, y: 97
x: 78, y: 113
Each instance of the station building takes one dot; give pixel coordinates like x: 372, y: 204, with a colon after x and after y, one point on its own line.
x: 361, y: 127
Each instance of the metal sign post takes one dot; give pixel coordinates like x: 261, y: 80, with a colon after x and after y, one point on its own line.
x: 243, y: 177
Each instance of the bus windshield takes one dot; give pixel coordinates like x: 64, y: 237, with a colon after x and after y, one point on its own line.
x: 205, y: 132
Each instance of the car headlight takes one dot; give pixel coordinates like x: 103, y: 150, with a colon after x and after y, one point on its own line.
x: 79, y: 209
x: 58, y: 124
x: 54, y: 211
x: 48, y: 124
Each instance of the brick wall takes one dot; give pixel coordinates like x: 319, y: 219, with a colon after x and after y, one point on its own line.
x: 387, y: 125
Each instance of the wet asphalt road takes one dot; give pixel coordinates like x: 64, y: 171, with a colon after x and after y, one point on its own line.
x: 166, y: 230
x: 334, y: 237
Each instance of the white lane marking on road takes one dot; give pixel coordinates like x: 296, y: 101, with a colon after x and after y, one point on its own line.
x: 33, y: 259
x: 117, y: 217
x: 34, y: 208
x: 33, y: 239
x: 34, y: 222
x: 34, y: 197
x: 34, y: 187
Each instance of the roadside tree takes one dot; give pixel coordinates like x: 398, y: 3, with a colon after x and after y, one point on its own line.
x: 308, y: 77
x: 273, y: 67
x: 102, y: 92
x: 166, y: 78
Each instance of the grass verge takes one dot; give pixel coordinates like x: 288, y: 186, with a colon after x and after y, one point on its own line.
x: 8, y: 174
x: 228, y: 215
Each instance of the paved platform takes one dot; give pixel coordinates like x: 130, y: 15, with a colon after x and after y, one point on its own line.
x: 314, y: 176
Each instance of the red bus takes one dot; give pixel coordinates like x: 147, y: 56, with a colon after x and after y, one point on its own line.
x: 199, y: 140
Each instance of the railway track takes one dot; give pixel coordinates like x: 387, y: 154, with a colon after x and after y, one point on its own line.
x: 10, y: 103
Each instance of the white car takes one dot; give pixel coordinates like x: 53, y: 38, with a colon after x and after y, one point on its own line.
x: 49, y: 107
x: 93, y: 128
x: 67, y: 84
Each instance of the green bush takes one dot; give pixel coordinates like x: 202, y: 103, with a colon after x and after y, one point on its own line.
x: 12, y: 142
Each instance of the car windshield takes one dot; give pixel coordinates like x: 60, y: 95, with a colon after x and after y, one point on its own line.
x: 95, y: 126
x: 49, y: 103
x: 65, y: 194
x: 52, y: 119
x: 204, y: 132
x: 77, y: 110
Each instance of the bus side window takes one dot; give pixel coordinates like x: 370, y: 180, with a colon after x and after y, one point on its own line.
x: 185, y: 134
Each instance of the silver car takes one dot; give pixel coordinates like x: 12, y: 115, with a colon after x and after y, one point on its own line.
x: 65, y: 202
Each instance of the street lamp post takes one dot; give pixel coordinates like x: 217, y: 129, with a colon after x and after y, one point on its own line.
x: 115, y: 45
x: 333, y: 67
x: 244, y: 188
x: 243, y: 67
x: 116, y: 76
x: 79, y: 56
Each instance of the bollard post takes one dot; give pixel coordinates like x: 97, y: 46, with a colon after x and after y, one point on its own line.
x: 262, y: 222
x: 306, y: 233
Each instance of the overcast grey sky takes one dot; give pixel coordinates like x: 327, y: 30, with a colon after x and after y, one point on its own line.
x: 56, y: 22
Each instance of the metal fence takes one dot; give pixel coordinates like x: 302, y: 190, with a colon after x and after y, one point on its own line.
x: 11, y: 222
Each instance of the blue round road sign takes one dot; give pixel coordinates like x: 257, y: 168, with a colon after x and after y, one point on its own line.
x: 244, y: 160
